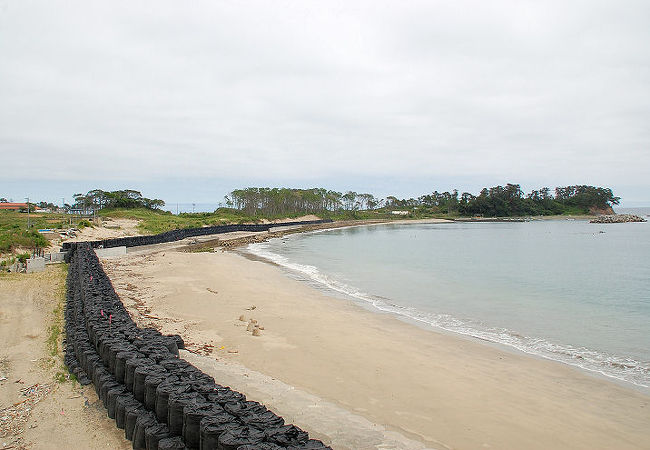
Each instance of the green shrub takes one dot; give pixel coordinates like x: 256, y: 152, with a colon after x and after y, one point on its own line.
x: 13, y: 237
x: 23, y: 257
x: 83, y: 224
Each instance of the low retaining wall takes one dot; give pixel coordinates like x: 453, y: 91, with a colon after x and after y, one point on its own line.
x: 177, y: 235
x: 35, y: 264
x: 110, y: 252
x: 160, y: 400
x: 55, y: 257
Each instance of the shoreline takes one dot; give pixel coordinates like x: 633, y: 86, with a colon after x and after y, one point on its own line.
x: 239, y: 239
x: 355, y: 358
x: 403, y: 315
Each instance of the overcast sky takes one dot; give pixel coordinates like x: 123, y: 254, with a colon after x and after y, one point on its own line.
x: 189, y: 100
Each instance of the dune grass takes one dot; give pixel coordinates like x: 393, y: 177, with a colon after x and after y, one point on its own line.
x: 156, y: 221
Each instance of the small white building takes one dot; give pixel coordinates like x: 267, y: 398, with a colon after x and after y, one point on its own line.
x: 400, y: 213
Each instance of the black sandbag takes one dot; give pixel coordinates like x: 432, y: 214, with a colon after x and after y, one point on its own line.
x: 245, y: 407
x: 262, y: 420
x: 214, y: 426
x: 173, y: 364
x: 151, y: 384
x: 260, y: 446
x: 101, y: 381
x: 204, y: 387
x: 89, y: 357
x: 121, y: 403
x: 192, y: 416
x: 163, y: 391
x: 176, y: 404
x: 120, y: 363
x: 98, y: 371
x: 204, y: 378
x: 312, y: 444
x: 170, y: 344
x: 224, y: 395
x: 111, y: 398
x: 129, y: 372
x: 84, y: 380
x: 106, y: 386
x: 157, y: 354
x: 92, y: 361
x: 189, y: 373
x: 286, y: 435
x: 143, y: 422
x: 113, y: 350
x: 139, y: 376
x: 153, y: 435
x: 172, y: 443
x: 180, y: 344
x: 235, y: 437
x: 104, y: 349
x: 131, y: 414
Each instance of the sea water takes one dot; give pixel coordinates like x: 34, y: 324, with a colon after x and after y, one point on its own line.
x: 567, y: 290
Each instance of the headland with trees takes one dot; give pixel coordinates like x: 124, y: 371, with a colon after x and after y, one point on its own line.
x: 18, y: 230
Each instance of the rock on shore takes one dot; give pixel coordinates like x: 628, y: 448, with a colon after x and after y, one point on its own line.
x: 618, y: 218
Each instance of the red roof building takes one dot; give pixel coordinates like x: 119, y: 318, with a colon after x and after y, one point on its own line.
x: 16, y: 206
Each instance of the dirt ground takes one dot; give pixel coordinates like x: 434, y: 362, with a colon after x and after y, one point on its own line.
x: 39, y: 407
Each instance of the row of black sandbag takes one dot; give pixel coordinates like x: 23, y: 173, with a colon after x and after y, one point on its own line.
x: 176, y: 235
x: 160, y: 400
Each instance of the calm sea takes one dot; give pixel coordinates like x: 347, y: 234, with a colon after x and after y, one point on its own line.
x: 566, y: 290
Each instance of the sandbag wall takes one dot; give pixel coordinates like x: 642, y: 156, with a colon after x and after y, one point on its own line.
x: 177, y: 235
x: 160, y: 400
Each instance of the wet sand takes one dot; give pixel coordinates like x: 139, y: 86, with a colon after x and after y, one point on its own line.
x: 416, y: 387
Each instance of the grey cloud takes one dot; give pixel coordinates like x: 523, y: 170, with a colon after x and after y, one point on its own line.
x: 515, y: 91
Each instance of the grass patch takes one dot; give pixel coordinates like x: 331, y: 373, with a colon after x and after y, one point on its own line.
x: 55, y: 330
x: 14, y: 232
x: 156, y: 221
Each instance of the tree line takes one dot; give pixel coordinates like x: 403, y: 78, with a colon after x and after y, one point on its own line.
x: 497, y: 201
x: 274, y: 201
x: 128, y: 198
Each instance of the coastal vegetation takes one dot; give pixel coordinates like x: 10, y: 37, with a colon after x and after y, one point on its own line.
x: 256, y: 204
x: 127, y: 198
x: 15, y: 234
x: 497, y: 201
x: 153, y: 221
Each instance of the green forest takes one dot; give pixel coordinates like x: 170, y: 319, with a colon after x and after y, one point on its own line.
x: 265, y: 202
x: 253, y: 204
x: 128, y: 198
x: 497, y: 201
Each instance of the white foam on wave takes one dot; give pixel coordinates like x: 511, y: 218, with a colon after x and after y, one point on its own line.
x: 613, y: 366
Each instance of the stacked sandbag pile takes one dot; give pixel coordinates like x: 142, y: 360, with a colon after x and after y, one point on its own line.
x: 160, y: 400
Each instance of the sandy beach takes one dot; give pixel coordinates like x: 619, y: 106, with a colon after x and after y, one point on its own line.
x: 391, y: 384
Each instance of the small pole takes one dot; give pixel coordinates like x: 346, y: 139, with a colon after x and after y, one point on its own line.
x: 27, y: 198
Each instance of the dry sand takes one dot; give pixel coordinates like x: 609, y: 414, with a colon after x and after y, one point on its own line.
x: 108, y: 229
x: 36, y: 411
x: 411, y: 386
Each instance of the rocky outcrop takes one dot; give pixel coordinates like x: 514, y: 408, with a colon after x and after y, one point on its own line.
x: 618, y: 218
x: 607, y: 211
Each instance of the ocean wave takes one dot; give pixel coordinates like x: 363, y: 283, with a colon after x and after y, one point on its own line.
x: 613, y: 366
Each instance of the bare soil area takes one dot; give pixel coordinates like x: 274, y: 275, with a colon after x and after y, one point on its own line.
x: 40, y: 408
